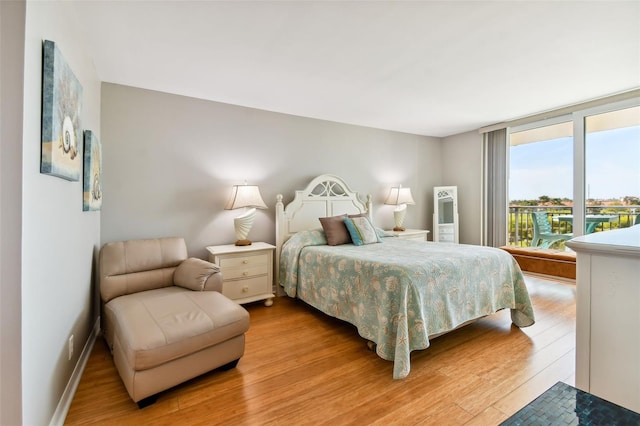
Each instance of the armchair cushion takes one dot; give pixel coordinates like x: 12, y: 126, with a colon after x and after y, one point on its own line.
x: 198, y: 275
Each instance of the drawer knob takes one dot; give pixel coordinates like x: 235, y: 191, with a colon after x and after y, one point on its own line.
x: 245, y: 273
x: 245, y: 289
x: 245, y: 261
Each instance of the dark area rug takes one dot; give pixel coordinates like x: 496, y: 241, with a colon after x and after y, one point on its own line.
x: 565, y: 405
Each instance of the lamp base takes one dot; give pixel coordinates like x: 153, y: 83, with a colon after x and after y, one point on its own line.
x: 398, y: 217
x: 243, y: 242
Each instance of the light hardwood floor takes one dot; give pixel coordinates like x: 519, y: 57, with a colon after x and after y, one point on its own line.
x: 302, y: 367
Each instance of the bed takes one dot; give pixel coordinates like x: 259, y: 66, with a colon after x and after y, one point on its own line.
x: 398, y: 293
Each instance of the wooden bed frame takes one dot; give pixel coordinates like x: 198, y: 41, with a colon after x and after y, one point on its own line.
x: 326, y: 195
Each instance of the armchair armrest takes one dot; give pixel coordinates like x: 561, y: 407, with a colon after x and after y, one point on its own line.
x: 198, y: 275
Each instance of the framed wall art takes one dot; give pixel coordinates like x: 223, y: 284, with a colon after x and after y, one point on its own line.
x: 92, y: 176
x: 61, y: 105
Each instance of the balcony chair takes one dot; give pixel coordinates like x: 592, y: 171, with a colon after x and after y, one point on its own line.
x: 543, y: 236
x: 163, y: 316
x: 636, y: 220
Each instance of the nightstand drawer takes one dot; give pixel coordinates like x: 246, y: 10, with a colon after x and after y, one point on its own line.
x: 246, y: 288
x: 252, y: 261
x: 244, y: 271
x: 247, y: 271
x: 416, y: 237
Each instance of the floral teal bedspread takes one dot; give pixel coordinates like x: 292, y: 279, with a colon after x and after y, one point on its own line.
x: 399, y: 292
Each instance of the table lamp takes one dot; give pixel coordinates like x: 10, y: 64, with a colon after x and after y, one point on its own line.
x: 399, y: 197
x: 245, y: 196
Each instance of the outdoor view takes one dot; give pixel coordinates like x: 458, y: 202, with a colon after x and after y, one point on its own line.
x: 541, y: 179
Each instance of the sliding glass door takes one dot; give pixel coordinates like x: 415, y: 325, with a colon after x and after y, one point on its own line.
x: 540, y: 181
x: 612, y: 169
x: 580, y: 172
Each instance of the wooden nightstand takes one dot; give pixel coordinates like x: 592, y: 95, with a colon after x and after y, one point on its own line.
x: 247, y: 271
x: 410, y: 234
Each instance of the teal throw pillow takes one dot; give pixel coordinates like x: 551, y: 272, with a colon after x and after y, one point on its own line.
x: 361, y: 231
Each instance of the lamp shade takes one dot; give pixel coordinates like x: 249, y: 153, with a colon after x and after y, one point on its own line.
x: 398, y: 196
x: 245, y: 196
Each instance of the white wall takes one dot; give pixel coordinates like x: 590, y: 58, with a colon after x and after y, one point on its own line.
x: 462, y: 155
x: 170, y: 162
x: 59, y: 240
x: 12, y: 26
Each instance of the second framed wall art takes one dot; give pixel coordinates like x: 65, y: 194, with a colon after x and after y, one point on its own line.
x: 92, y: 179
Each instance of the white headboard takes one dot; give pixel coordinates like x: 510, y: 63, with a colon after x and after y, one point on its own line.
x: 326, y: 195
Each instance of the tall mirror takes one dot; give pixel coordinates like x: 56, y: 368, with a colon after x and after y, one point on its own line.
x: 445, y: 214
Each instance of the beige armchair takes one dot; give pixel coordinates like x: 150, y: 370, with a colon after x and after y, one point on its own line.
x: 163, y: 316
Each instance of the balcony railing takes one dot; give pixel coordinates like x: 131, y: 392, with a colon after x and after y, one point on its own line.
x: 520, y: 225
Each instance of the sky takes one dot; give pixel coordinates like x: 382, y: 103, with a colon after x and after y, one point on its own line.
x: 546, y: 168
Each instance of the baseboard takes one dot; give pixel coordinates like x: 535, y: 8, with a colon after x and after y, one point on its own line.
x: 62, y: 409
x: 549, y: 277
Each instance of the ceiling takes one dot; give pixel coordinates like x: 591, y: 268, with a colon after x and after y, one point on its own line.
x: 432, y: 68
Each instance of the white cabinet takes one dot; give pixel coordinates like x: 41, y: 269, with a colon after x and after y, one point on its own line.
x: 607, y: 315
x: 410, y: 234
x: 247, y: 271
x: 445, y: 214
